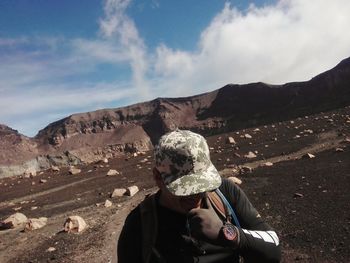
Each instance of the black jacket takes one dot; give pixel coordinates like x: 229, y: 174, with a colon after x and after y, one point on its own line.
x: 258, y: 241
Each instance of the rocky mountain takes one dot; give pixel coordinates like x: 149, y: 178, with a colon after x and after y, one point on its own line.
x: 105, y: 133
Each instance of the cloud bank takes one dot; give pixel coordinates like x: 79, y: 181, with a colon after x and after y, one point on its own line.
x: 46, y: 78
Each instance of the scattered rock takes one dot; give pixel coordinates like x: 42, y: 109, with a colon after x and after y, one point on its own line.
x: 339, y: 150
x: 132, y: 190
x: 108, y: 203
x: 112, y: 172
x: 14, y: 221
x: 30, y: 173
x: 73, y: 170
x: 230, y: 140
x: 35, y: 223
x: 235, y: 180
x: 118, y: 192
x: 268, y: 164
x: 308, y: 156
x: 51, y: 249
x: 247, y: 136
x: 33, y: 208
x: 74, y: 224
x: 42, y: 181
x: 237, y: 155
x: 55, y: 169
x: 298, y: 195
x: 245, y: 169
x: 250, y: 155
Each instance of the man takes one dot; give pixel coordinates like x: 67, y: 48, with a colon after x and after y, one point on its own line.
x: 182, y: 223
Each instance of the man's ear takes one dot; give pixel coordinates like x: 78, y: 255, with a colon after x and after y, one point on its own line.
x: 157, y: 177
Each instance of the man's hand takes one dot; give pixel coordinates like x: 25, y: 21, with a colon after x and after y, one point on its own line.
x: 205, y: 224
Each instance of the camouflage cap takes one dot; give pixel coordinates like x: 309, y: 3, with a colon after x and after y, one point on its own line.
x: 183, y: 160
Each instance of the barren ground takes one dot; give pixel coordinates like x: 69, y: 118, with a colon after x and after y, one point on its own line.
x: 313, y: 228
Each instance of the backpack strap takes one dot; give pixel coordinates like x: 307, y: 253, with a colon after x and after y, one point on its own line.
x: 230, y: 211
x: 216, y: 202
x: 149, y: 223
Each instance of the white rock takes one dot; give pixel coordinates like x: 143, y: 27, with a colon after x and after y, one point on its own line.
x: 247, y: 136
x: 55, y: 168
x: 339, y: 150
x: 51, y: 249
x: 112, y: 172
x: 35, y: 223
x: 30, y: 173
x: 308, y: 155
x: 245, y: 169
x: 250, y: 155
x: 74, y: 224
x: 118, y: 192
x: 132, y: 190
x: 230, y: 140
x: 73, y: 170
x: 108, y: 203
x: 42, y: 181
x: 14, y: 221
x: 235, y: 180
x: 105, y: 160
x: 268, y: 164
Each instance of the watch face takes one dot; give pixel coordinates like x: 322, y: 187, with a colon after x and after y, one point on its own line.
x: 229, y: 232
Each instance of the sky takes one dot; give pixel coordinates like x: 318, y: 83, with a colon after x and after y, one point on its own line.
x: 63, y: 57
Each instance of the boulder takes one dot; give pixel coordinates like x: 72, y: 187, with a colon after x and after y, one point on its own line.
x: 230, y: 140
x: 118, y: 192
x: 245, y: 169
x: 55, y: 168
x: 30, y: 173
x: 73, y: 170
x: 108, y: 203
x: 74, y: 224
x: 250, y: 155
x: 14, y: 221
x: 132, y: 190
x: 247, y: 136
x: 112, y: 172
x: 35, y: 223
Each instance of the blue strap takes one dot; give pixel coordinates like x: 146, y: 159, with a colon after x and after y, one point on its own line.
x: 230, y: 209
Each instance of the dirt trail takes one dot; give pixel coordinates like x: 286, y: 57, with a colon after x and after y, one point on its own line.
x: 326, y: 141
x: 50, y: 191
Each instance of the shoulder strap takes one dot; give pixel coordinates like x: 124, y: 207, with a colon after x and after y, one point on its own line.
x: 149, y: 226
x: 231, y: 211
x: 216, y: 202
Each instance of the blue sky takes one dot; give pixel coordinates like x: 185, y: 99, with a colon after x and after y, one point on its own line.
x: 68, y: 56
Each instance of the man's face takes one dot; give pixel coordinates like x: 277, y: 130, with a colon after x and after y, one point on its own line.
x: 182, y: 204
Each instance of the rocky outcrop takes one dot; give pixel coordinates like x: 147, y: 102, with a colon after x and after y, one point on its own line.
x: 106, y: 133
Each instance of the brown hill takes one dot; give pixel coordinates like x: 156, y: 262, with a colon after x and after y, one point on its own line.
x: 15, y: 147
x: 108, y: 132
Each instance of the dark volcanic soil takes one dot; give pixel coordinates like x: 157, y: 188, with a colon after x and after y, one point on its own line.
x: 313, y: 226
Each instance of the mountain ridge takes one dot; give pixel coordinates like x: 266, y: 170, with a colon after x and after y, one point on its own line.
x: 108, y: 132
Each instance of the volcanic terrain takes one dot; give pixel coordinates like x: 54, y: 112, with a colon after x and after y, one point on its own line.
x: 304, y: 194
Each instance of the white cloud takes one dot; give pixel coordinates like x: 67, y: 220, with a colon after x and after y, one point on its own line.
x: 121, y: 30
x: 290, y: 41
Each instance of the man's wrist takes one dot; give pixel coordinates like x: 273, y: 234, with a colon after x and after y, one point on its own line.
x: 229, y: 235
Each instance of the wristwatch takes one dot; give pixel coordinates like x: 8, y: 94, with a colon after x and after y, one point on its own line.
x: 229, y: 231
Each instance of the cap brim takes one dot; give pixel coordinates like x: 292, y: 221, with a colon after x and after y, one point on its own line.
x: 196, y: 183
